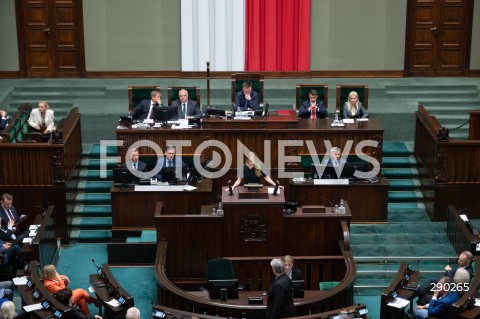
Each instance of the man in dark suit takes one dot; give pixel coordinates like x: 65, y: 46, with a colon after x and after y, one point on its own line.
x: 8, y: 211
x: 136, y: 163
x: 3, y: 120
x: 313, y: 108
x: 280, y: 293
x: 170, y: 160
x: 186, y: 108
x: 144, y: 110
x: 246, y: 99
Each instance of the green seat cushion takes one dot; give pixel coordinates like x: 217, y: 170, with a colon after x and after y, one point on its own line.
x: 328, y: 285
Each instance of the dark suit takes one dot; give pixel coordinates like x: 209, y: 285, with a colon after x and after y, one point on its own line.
x: 174, y: 163
x: 140, y: 112
x: 4, y: 215
x: 192, y: 108
x: 280, y: 298
x: 141, y: 166
x: 242, y: 104
x: 360, y: 113
x: 3, y: 123
x: 9, y: 236
x: 321, y: 113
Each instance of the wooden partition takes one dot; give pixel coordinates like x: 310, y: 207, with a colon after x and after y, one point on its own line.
x: 35, y: 173
x: 474, y: 127
x: 450, y: 170
x: 458, y: 233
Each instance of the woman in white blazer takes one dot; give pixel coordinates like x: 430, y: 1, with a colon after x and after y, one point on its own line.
x: 41, y: 119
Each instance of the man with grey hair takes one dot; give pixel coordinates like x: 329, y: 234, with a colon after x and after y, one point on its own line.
x: 133, y: 313
x: 280, y: 294
x: 335, y: 159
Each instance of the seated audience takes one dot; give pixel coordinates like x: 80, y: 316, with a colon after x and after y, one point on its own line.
x: 11, y: 256
x: 65, y: 297
x: 8, y: 285
x: 313, y: 108
x: 54, y: 282
x: 144, y: 109
x: 8, y: 311
x: 133, y: 313
x: 252, y: 173
x: 170, y: 160
x: 8, y: 234
x: 247, y: 99
x: 335, y: 157
x: 424, y: 292
x: 443, y: 297
x: 353, y: 108
x: 3, y: 119
x: 41, y: 118
x: 136, y: 163
x: 9, y: 216
x: 186, y: 108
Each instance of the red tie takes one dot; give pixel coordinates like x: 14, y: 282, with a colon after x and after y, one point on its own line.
x: 314, y: 114
x: 10, y: 215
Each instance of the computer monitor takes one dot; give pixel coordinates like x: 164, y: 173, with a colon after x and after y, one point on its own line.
x: 216, y: 113
x: 194, y: 177
x: 330, y: 172
x: 215, y: 286
x: 350, y: 168
x: 168, y: 175
x: 123, y: 177
x: 298, y: 288
x: 323, y: 171
x: 165, y: 113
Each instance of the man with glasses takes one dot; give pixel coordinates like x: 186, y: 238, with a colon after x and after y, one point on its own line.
x: 186, y: 108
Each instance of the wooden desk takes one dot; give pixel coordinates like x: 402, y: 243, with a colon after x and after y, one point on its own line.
x: 134, y: 210
x: 273, y: 121
x: 368, y: 201
x: 290, y: 140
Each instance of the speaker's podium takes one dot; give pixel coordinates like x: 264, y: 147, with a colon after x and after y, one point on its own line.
x: 253, y: 222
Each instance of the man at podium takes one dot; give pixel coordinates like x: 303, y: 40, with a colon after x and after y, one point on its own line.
x: 252, y: 172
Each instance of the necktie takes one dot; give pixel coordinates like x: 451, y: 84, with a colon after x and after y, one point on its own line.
x: 10, y: 214
x: 183, y: 111
x: 314, y: 113
x: 134, y: 165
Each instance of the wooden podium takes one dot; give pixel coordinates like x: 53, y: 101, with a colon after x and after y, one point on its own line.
x: 252, y: 225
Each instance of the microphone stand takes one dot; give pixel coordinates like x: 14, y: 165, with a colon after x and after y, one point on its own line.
x: 331, y: 204
x: 208, y: 84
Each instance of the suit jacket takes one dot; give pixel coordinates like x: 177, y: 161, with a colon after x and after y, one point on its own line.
x: 141, y: 166
x: 3, y: 124
x: 438, y: 308
x: 4, y: 216
x: 140, y: 112
x: 36, y: 119
x: 174, y: 162
x: 280, y: 298
x: 322, y: 112
x: 192, y: 108
x: 360, y: 113
x: 242, y: 104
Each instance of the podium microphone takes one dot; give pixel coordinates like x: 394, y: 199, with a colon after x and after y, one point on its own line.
x: 330, y: 202
x: 277, y: 185
x: 99, y: 269
x: 230, y: 190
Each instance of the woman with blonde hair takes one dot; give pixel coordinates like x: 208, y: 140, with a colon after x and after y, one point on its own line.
x: 252, y: 172
x: 41, y: 118
x: 353, y: 109
x: 8, y: 311
x: 54, y: 282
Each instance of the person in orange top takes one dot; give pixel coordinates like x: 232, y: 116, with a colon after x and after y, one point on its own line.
x: 54, y: 282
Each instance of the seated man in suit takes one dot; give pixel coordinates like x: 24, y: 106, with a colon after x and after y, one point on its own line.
x: 313, y: 108
x: 9, y: 217
x: 144, y: 109
x: 169, y: 162
x: 186, y: 108
x: 246, y: 99
x: 335, y: 158
x: 443, y: 296
x: 10, y: 254
x: 3, y: 120
x: 136, y: 163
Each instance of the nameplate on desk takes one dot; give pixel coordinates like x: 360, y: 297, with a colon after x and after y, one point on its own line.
x: 159, y: 188
x: 340, y: 181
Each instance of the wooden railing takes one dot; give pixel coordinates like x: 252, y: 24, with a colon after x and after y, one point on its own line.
x: 458, y: 233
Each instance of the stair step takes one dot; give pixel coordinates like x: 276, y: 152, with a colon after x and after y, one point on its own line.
x: 430, y: 88
x: 95, y: 163
x: 94, y: 151
x: 96, y: 175
x: 398, y: 162
x: 435, y: 95
x: 399, y: 173
x: 93, y: 210
x: 91, y: 223
x: 91, y: 236
x: 404, y: 196
x: 452, y: 105
x: 403, y: 184
x: 94, y: 186
x: 391, y: 149
x: 94, y: 198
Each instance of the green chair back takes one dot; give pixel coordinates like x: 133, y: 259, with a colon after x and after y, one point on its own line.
x: 344, y: 90
x: 11, y: 134
x: 303, y: 91
x: 218, y: 269
x: 138, y: 93
x: 328, y: 285
x: 193, y: 93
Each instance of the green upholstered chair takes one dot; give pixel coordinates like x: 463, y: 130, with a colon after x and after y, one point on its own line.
x: 257, y: 84
x: 342, y: 95
x: 328, y: 285
x: 193, y: 93
x: 303, y: 90
x: 138, y: 93
x: 218, y: 269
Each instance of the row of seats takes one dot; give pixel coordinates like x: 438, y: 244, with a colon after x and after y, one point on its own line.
x: 17, y: 130
x: 138, y: 93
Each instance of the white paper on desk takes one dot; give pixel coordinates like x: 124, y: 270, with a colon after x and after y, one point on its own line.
x: 271, y: 189
x: 19, y: 281
x: 348, y: 121
x: 361, y: 120
x: 477, y: 247
x: 91, y: 290
x: 34, y: 227
x: 114, y: 303
x: 399, y: 303
x: 181, y: 126
x: 189, y: 188
x: 477, y: 302
x: 464, y: 217
x: 27, y: 240
x: 32, y: 233
x: 36, y: 306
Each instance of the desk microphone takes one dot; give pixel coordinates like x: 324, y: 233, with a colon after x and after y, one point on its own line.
x: 230, y: 190
x: 99, y: 269
x: 330, y: 202
x: 277, y: 185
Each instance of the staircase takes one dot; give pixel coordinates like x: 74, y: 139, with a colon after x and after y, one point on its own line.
x: 450, y: 104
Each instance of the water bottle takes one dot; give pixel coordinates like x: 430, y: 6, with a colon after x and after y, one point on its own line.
x: 341, y: 207
x: 336, y: 208
x: 336, y: 122
x: 220, y: 209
